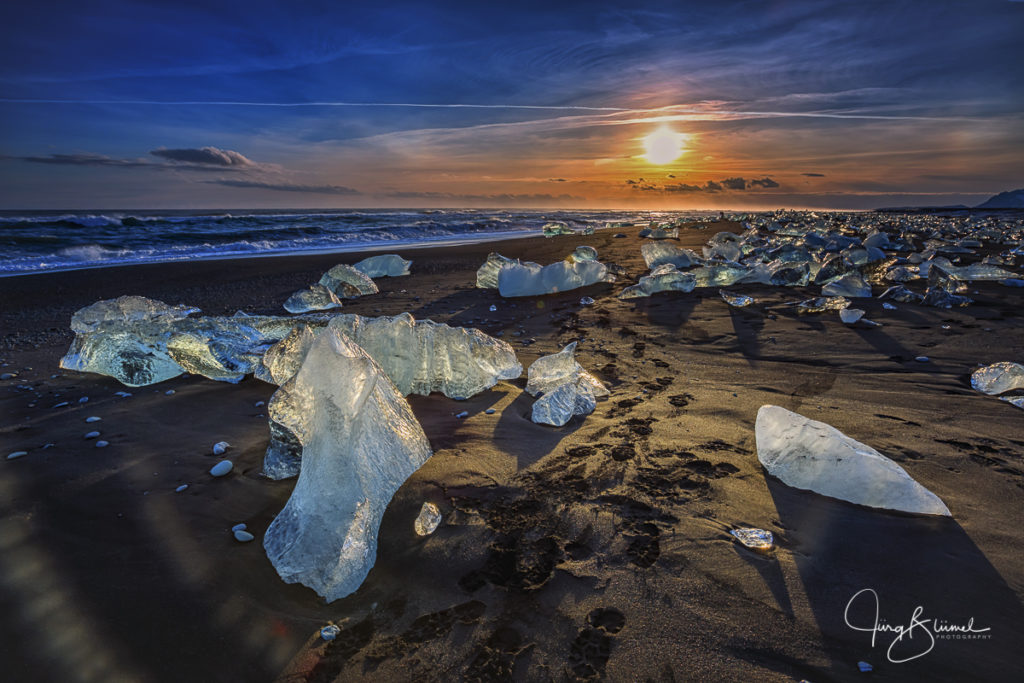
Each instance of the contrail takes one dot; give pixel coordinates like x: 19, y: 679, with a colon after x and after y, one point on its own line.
x: 666, y: 111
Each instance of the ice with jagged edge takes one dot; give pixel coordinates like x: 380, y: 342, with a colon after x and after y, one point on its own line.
x: 363, y: 442
x: 127, y: 309
x: 347, y: 282
x: 737, y: 300
x: 658, y: 253
x: 812, y: 455
x: 420, y: 357
x: 975, y: 271
x: 998, y: 378
x: 567, y: 388
x: 583, y: 253
x: 316, y: 298
x: 487, y: 274
x: 555, y: 229
x: 849, y: 285
x: 531, y: 279
x: 664, y: 278
x: 141, y: 351
x: 384, y: 265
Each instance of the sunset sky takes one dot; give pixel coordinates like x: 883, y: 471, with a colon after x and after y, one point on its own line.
x: 853, y: 104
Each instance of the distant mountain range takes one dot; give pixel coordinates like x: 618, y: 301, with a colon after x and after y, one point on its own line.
x: 1013, y: 199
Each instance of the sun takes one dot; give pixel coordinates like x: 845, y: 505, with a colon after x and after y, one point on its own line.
x: 663, y: 146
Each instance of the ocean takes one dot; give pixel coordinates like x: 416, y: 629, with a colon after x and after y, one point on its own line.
x: 39, y: 241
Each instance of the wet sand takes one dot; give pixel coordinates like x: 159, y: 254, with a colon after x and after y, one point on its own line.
x: 596, y: 550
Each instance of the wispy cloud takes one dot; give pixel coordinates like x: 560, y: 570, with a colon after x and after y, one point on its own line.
x: 204, y: 156
x: 284, y: 187
x: 83, y: 160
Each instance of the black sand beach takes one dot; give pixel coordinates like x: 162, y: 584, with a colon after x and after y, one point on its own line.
x: 596, y: 550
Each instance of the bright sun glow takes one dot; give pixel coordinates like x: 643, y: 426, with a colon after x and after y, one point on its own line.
x: 663, y: 146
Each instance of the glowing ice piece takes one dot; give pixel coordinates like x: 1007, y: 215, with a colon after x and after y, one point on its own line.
x: 998, y: 378
x: 737, y: 300
x: 558, y: 406
x: 121, y: 353
x: 975, y: 271
x: 664, y: 278
x: 363, y: 443
x: 316, y: 298
x: 487, y: 274
x: 822, y: 304
x: 553, y: 229
x: 755, y: 539
x: 549, y: 373
x: 812, y: 455
x: 283, y: 359
x: 658, y: 253
x: 347, y: 282
x: 851, y: 285
x: 583, y: 253
x: 127, y: 309
x: 428, y: 520
x: 384, y: 265
x: 531, y: 279
x: 719, y: 276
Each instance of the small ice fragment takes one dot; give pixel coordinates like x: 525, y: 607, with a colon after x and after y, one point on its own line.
x: 1017, y: 401
x: 181, y: 488
x: 240, y: 527
x: 489, y: 411
x: 61, y: 404
x: 169, y: 392
x: 462, y: 415
x: 553, y: 229
x: 329, y: 632
x: 220, y: 447
x: 259, y: 404
x: 850, y: 315
x: 586, y: 301
x: 998, y: 378
x: 84, y: 399
x: 92, y: 435
x: 737, y: 300
x: 122, y: 394
x: 102, y: 444
x: 93, y: 418
x: 48, y: 445
x: 8, y: 375
x: 493, y: 308
x: 864, y: 667
x: 756, y: 539
x: 888, y: 306
x: 243, y: 536
x: 16, y: 454
x: 221, y: 468
x: 922, y: 359
x: 428, y: 519
x: 384, y: 265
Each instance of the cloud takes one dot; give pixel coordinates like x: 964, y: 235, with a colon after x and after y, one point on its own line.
x: 284, y: 187
x: 712, y: 186
x: 84, y: 160
x: 557, y: 180
x: 497, y: 198
x: 203, y: 156
x: 813, y: 175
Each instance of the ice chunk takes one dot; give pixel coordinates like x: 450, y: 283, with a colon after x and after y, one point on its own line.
x: 975, y: 271
x: 1016, y: 401
x: 812, y: 455
x: 851, y: 284
x: 316, y: 298
x: 218, y: 352
x: 660, y: 233
x: 941, y: 292
x: 658, y: 253
x: 283, y: 359
x: 121, y: 353
x: 558, y: 406
x: 127, y: 309
x: 664, y: 278
x: 736, y: 300
x: 487, y: 274
x: 998, y: 378
x: 530, y: 279
x: 384, y: 265
x: 363, y: 443
x: 583, y: 253
x: 850, y: 315
x: 901, y: 294
x: 347, y: 282
x: 428, y: 519
x: 553, y: 229
x: 719, y: 276
x: 822, y: 304
x: 755, y: 539
x: 547, y: 373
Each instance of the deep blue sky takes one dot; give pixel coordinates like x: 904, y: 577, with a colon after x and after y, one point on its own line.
x: 846, y: 104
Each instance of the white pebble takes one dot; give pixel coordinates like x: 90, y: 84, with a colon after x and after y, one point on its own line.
x: 240, y: 527
x: 93, y: 419
x: 243, y: 536
x: 169, y: 392
x: 463, y: 414
x: 922, y: 359
x: 17, y: 454
x: 220, y: 447
x: 84, y: 399
x: 260, y: 404
x: 92, y: 435
x: 102, y: 444
x: 181, y: 488
x: 222, y: 468
x: 61, y: 404
x: 489, y: 411
x: 329, y: 632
